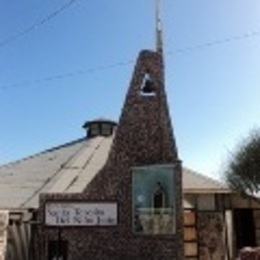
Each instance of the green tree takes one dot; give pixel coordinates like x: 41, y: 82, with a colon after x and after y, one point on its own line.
x: 243, y: 169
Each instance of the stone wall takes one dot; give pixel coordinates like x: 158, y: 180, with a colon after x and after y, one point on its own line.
x: 211, y: 236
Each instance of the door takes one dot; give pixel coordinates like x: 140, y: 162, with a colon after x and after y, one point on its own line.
x: 244, y: 228
x: 57, y: 250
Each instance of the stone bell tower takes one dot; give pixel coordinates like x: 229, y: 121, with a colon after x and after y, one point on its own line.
x: 135, y: 201
x: 143, y: 172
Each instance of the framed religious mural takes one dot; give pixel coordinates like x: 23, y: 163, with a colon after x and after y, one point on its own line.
x: 153, y: 199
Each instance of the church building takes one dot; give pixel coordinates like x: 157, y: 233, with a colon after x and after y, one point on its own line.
x: 121, y: 191
x: 132, y: 207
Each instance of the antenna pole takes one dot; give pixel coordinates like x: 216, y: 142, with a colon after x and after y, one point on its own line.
x: 159, y: 41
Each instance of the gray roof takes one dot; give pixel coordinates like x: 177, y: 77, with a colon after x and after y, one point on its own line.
x: 69, y: 168
x: 194, y: 182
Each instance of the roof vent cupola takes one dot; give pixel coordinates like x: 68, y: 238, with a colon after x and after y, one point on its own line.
x: 99, y: 127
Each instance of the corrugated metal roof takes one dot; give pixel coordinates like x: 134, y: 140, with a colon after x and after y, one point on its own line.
x: 69, y: 168
x: 23, y: 181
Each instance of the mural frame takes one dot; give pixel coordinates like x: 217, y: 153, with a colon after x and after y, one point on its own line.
x: 165, y: 216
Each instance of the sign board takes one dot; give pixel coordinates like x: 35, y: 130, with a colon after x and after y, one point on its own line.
x: 80, y: 214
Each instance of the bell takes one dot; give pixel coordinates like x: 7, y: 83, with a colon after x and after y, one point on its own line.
x: 148, y: 87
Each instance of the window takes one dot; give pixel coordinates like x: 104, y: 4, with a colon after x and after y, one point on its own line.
x: 57, y: 250
x: 206, y: 202
x: 106, y: 129
x: 94, y: 130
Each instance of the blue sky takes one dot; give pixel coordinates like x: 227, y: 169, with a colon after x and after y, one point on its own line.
x: 77, y: 66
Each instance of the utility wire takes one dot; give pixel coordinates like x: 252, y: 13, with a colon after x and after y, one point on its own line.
x: 36, y: 25
x: 121, y: 64
x: 65, y: 75
x: 17, y: 15
x: 218, y: 42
